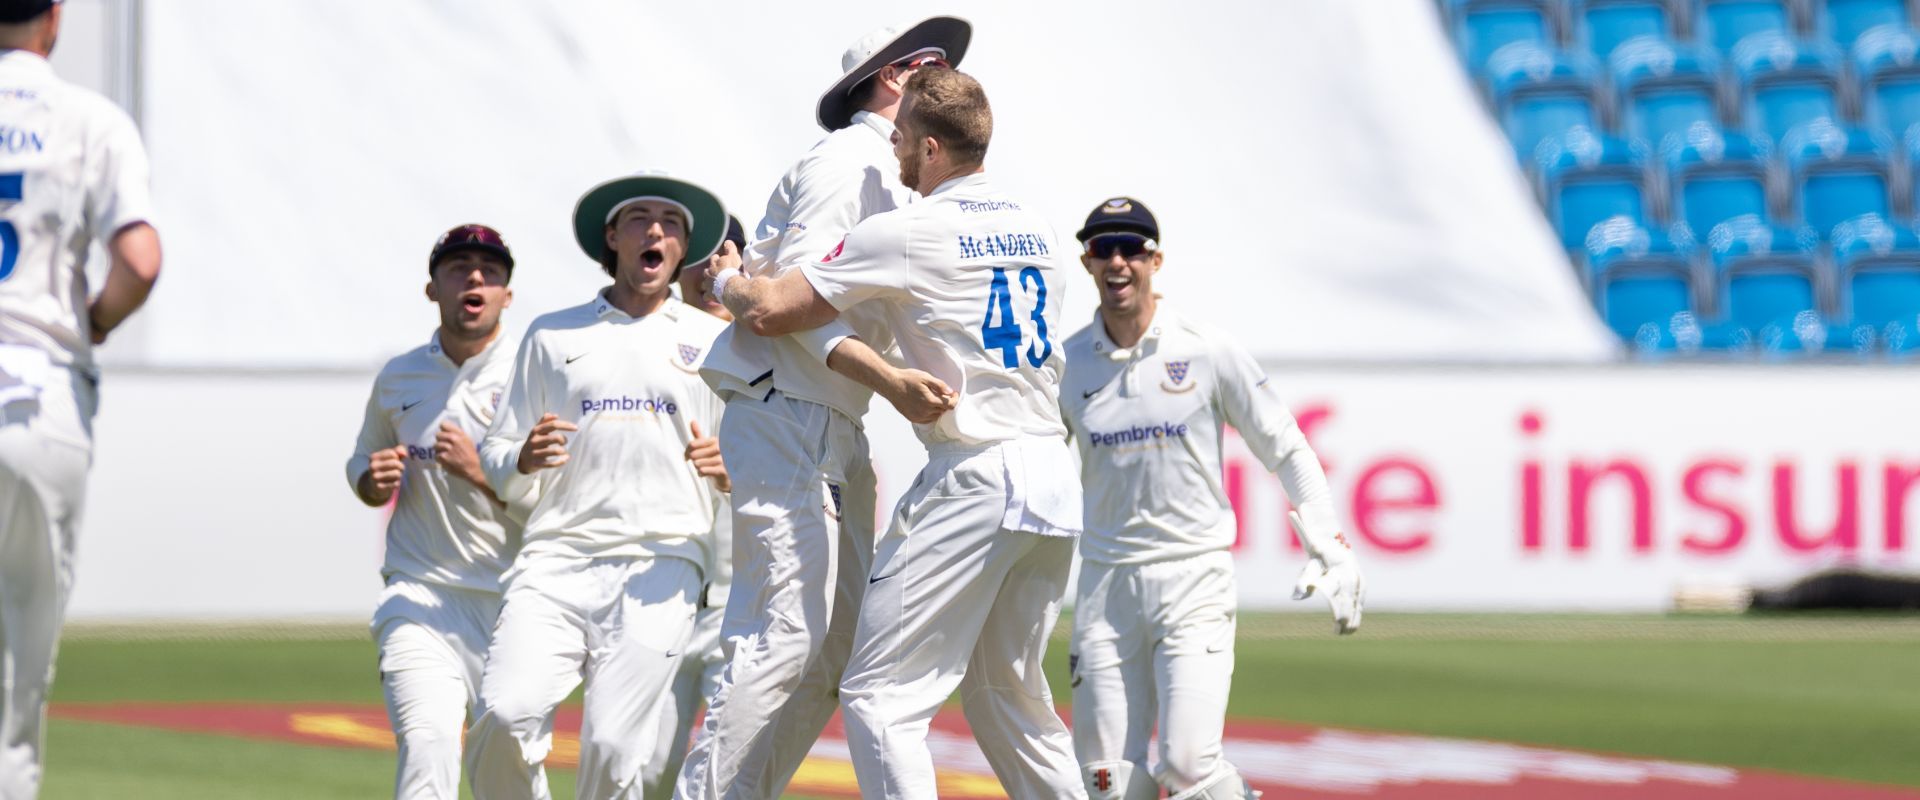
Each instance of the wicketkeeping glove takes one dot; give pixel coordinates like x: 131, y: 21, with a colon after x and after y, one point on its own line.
x: 1336, y: 576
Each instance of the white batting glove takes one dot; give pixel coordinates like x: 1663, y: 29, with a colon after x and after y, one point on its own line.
x: 1338, y: 580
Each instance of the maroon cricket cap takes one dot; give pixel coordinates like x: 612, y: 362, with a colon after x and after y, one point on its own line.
x: 469, y: 237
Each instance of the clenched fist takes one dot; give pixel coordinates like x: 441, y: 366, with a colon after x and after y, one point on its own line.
x: 546, y: 446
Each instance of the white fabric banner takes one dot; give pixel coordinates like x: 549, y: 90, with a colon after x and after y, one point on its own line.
x: 220, y: 495
x: 1321, y: 169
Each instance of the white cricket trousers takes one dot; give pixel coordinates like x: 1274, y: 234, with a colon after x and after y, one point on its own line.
x: 803, y: 498
x: 960, y: 599
x: 619, y: 623
x: 693, y: 686
x: 1153, y: 647
x: 433, y: 647
x: 45, y: 451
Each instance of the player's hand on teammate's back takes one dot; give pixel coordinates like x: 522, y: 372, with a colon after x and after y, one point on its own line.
x: 455, y: 452
x: 920, y: 397
x: 546, y: 446
x: 704, y: 452
x: 1335, y: 576
x: 382, y: 478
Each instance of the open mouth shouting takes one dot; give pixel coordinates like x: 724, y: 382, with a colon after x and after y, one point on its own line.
x: 472, y: 303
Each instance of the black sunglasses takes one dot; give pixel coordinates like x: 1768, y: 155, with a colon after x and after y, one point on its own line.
x: 1128, y: 245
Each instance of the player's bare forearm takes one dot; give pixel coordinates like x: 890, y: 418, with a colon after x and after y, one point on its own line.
x: 918, y: 396
x: 857, y: 362
x: 369, y: 493
x: 778, y: 306
x: 135, y: 252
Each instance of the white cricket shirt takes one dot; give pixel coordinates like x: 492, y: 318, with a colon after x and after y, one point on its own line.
x: 72, y: 172
x: 850, y: 175
x: 1147, y: 421
x: 444, y: 529
x: 970, y: 285
x: 633, y: 387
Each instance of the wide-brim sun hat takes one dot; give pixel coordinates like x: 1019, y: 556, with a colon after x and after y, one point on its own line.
x: 948, y: 35
x: 706, y: 215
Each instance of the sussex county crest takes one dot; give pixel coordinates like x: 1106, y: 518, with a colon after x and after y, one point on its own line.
x: 1177, y: 377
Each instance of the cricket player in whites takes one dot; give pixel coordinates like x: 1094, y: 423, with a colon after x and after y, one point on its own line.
x: 1146, y: 393
x: 449, y: 538
x: 967, y: 581
x: 699, y: 677
x: 72, y: 173
x: 803, y: 483
x: 605, y: 433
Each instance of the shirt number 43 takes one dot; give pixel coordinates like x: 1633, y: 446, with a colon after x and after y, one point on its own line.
x: 1000, y: 332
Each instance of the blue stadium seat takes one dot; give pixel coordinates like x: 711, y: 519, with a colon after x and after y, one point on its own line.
x: 1541, y: 95
x: 1484, y: 26
x: 1787, y: 83
x: 1879, y: 284
x: 1589, y: 179
x: 1887, y: 61
x: 1716, y: 176
x: 1768, y: 281
x: 1844, y: 21
x: 1665, y: 88
x: 1723, y: 23
x: 1839, y: 174
x: 1601, y: 25
x: 1644, y: 285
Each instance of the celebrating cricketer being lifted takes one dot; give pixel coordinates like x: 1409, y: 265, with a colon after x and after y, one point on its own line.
x: 79, y: 179
x: 804, y: 495
x: 604, y: 435
x: 449, y: 537
x: 967, y: 581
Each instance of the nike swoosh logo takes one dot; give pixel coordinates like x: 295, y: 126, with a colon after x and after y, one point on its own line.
x: 872, y: 581
x: 672, y: 653
x: 1089, y: 393
x: 576, y: 358
x: 409, y: 406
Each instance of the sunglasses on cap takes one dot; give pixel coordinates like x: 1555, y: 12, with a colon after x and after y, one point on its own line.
x: 1128, y: 245
x: 924, y: 60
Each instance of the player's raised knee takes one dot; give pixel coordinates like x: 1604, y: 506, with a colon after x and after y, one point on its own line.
x: 1188, y: 762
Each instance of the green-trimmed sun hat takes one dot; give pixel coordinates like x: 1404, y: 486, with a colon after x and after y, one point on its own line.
x: 706, y: 216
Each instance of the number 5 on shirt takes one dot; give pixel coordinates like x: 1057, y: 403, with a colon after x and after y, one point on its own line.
x: 10, y: 191
x: 1004, y: 334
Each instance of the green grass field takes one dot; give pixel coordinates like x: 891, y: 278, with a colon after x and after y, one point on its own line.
x: 1832, y: 696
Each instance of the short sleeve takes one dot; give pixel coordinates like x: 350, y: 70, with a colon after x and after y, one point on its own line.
x: 870, y: 263
x: 118, y: 192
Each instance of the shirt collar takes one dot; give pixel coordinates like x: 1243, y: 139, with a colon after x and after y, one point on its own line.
x: 879, y: 124
x: 604, y: 308
x: 439, y: 354
x: 1103, y: 344
x: 24, y: 60
x: 975, y: 180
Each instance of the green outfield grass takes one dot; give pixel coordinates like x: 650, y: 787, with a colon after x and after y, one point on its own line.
x: 1828, y: 696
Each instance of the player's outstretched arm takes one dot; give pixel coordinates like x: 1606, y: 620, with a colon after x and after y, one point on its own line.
x: 1272, y: 433
x: 768, y: 306
x: 918, y: 396
x: 135, y: 253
